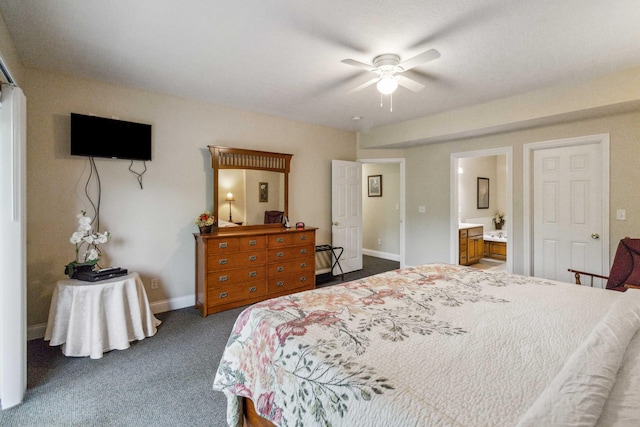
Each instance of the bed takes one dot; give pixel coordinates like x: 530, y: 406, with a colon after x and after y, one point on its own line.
x: 437, y: 345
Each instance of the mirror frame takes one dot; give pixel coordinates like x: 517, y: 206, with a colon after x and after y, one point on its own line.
x: 239, y: 158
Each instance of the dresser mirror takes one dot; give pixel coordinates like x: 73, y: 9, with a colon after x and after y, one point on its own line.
x: 246, y: 183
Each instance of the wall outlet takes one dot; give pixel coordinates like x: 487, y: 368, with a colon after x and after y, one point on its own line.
x: 379, y: 242
x: 154, y: 283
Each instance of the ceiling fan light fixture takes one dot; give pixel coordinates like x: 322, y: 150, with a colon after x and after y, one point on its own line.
x: 387, y: 85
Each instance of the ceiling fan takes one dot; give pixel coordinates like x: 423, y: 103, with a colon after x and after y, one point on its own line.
x: 389, y: 71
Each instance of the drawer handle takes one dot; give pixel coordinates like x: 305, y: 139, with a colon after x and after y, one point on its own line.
x: 223, y: 261
x: 253, y: 258
x: 280, y: 239
x: 303, y: 265
x: 303, y: 237
x: 303, y: 251
x: 253, y: 274
x: 252, y: 289
x: 222, y: 245
x: 280, y: 284
x: 280, y: 254
x: 223, y: 278
x: 253, y: 242
x: 224, y: 295
x: 303, y: 278
x: 280, y: 269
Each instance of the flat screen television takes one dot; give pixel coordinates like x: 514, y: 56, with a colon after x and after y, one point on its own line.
x: 93, y: 136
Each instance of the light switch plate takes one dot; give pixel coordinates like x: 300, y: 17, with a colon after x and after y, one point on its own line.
x: 621, y: 215
x: 422, y: 209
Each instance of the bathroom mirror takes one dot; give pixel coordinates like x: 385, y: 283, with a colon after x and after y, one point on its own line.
x: 246, y: 183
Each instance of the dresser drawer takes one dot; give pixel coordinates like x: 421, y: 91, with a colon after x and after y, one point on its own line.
x: 218, y: 279
x: 304, y: 238
x: 252, y: 243
x: 236, y: 244
x: 289, y: 253
x: 279, y: 240
x: 229, y: 244
x: 286, y: 283
x: 290, y: 267
x: 226, y: 261
x: 236, y: 292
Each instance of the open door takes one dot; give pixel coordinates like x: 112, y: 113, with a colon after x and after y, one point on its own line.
x: 13, y: 277
x: 346, y: 212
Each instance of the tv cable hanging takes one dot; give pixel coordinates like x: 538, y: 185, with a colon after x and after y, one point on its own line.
x: 138, y: 174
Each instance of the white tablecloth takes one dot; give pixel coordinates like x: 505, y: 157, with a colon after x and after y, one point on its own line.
x: 89, y: 319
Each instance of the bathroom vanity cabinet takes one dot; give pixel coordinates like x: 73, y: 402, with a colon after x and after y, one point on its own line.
x: 471, y: 244
x: 495, y: 250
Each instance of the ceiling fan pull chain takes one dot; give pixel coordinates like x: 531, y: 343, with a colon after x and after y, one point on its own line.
x: 380, y: 100
x: 391, y: 103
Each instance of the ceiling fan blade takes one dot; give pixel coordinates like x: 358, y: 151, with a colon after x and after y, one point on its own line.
x: 365, y: 85
x: 358, y: 64
x: 424, y: 57
x: 410, y: 84
x: 421, y: 77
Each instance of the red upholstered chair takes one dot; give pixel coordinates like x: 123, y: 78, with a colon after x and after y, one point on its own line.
x: 625, y: 271
x: 273, y: 217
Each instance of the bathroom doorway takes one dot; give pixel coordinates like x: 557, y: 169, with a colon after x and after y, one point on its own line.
x: 481, y: 189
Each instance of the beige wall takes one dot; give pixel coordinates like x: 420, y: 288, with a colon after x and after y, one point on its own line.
x: 152, y: 227
x: 472, y: 169
x: 380, y: 218
x: 428, y: 183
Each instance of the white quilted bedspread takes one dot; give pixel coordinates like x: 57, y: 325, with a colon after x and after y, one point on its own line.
x: 438, y: 345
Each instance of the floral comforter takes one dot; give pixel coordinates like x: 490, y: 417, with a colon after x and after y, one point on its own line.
x: 431, y: 345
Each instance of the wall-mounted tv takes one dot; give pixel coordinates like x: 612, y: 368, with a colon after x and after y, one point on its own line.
x: 93, y: 136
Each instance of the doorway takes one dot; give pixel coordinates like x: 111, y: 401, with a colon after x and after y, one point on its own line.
x: 485, y: 217
x: 389, y: 241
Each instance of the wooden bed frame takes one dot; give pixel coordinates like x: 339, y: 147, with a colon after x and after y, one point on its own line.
x: 251, y: 416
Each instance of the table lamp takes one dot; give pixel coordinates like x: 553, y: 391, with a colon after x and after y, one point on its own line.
x: 230, y: 199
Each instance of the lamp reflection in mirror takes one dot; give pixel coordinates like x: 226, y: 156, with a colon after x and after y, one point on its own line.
x: 230, y: 199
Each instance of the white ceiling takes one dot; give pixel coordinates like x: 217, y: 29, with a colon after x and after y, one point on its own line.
x: 283, y: 57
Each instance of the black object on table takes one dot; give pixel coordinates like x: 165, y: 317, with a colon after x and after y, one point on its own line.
x: 337, y: 253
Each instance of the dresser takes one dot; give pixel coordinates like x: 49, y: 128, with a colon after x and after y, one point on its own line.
x: 251, y: 264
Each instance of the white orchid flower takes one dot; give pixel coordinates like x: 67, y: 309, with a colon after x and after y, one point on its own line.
x: 86, y: 241
x: 102, y: 237
x: 76, y: 237
x: 92, y: 254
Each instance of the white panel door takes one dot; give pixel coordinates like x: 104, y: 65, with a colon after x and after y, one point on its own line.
x: 13, y: 275
x: 346, y: 212
x: 567, y: 211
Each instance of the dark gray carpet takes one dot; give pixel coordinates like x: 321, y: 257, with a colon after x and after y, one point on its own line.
x: 160, y: 381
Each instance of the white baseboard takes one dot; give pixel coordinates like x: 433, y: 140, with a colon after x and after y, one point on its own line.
x: 35, y: 332
x: 173, y: 304
x: 383, y: 255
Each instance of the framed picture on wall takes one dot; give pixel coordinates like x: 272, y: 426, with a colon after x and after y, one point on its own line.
x: 263, y: 191
x: 375, y: 186
x: 483, y: 193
